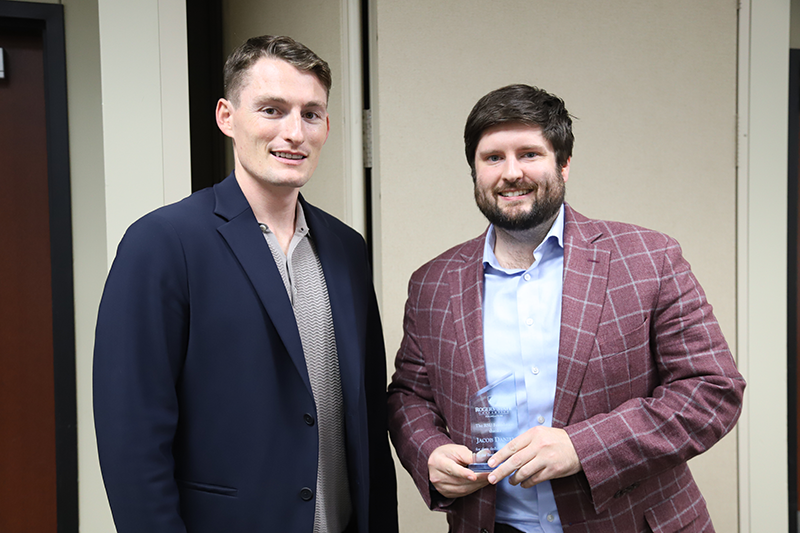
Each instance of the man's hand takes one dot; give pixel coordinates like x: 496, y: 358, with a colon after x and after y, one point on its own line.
x: 448, y: 472
x: 540, y: 454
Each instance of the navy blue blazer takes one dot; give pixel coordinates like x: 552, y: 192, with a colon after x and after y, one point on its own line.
x: 203, y: 408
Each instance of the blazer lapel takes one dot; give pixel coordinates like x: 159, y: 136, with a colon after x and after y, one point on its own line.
x: 245, y: 239
x: 586, y: 269
x: 466, y: 301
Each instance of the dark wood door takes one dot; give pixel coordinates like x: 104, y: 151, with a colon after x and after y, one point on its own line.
x: 27, y: 401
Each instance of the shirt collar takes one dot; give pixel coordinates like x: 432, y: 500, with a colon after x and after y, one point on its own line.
x: 554, y: 237
x: 300, y: 224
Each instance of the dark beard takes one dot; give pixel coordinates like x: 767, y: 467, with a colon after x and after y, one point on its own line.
x: 541, y: 211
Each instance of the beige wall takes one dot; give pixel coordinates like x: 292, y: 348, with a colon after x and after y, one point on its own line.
x: 653, y: 87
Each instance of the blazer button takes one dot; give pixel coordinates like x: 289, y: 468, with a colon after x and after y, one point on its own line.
x: 309, y: 419
x: 484, y: 530
x: 306, y: 494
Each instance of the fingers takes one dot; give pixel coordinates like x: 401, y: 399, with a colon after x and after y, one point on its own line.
x: 450, y: 460
x: 448, y: 473
x: 451, y: 472
x: 539, y: 454
x: 533, y: 472
x: 506, y: 451
x: 510, y: 457
x: 516, y: 465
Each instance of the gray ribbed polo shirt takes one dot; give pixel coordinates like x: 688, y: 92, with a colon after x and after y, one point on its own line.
x: 304, y: 280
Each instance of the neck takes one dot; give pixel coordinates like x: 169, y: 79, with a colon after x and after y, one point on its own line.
x: 514, y: 248
x: 274, y: 206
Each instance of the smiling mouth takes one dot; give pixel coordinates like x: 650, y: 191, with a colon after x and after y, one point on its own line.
x: 514, y: 193
x: 288, y: 155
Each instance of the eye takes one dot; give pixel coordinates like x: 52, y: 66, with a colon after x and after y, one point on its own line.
x: 493, y: 158
x: 530, y: 155
x: 313, y: 116
x: 270, y: 111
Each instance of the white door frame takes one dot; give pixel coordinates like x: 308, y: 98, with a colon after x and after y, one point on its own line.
x: 761, y: 262
x: 352, y: 86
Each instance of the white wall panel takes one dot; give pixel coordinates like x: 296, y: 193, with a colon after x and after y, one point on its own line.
x: 764, y: 83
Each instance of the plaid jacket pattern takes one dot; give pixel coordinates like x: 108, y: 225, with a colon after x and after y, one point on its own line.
x: 645, y: 379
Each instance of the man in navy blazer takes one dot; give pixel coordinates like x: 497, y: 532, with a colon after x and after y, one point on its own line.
x: 239, y: 371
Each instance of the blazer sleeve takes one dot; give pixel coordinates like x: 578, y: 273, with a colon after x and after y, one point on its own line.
x: 139, y: 350
x: 416, y: 424
x: 383, y: 482
x: 695, y: 401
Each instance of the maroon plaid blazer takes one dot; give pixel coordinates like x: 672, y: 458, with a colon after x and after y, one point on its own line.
x: 645, y: 379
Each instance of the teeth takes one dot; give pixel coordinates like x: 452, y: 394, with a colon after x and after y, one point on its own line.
x: 511, y: 194
x: 287, y: 155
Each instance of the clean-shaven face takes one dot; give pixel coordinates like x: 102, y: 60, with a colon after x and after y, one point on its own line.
x: 278, y: 126
x: 518, y: 184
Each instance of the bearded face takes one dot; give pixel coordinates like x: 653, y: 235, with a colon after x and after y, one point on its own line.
x: 542, y: 202
x: 518, y: 184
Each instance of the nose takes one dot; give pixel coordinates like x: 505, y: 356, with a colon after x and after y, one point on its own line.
x: 293, y: 128
x: 512, y: 171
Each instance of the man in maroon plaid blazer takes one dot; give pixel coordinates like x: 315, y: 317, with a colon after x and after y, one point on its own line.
x: 642, y: 377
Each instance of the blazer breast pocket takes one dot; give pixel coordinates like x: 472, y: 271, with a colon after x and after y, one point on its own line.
x: 619, y: 367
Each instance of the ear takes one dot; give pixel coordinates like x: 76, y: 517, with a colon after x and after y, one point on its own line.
x: 328, y: 126
x: 565, y: 170
x: 224, y: 114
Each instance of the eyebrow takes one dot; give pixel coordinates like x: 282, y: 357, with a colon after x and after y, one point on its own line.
x: 526, y: 148
x: 279, y: 100
x: 532, y: 147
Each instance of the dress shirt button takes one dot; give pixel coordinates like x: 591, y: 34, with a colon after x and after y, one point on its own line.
x: 309, y: 419
x: 306, y: 494
x: 529, y: 321
x: 540, y: 419
x: 535, y: 370
x: 527, y: 277
x: 550, y: 517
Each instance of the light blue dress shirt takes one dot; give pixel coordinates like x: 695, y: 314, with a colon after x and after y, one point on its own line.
x: 521, y: 326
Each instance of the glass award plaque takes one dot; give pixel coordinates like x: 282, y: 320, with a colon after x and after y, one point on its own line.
x: 493, y: 420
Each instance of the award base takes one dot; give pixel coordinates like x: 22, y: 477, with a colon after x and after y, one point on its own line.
x: 480, y: 467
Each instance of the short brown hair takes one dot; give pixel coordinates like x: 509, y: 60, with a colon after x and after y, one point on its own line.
x: 521, y: 104
x: 278, y: 47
